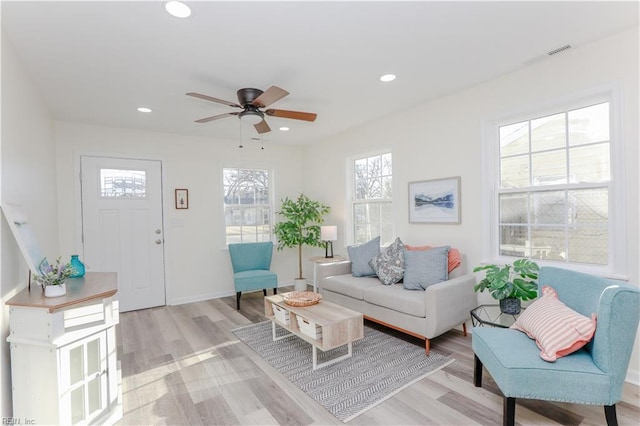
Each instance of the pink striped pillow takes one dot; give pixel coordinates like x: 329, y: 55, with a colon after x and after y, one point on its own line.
x: 557, y: 329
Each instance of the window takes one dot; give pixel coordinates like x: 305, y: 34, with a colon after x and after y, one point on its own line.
x: 123, y: 183
x: 554, y: 187
x: 247, y: 205
x: 371, y: 203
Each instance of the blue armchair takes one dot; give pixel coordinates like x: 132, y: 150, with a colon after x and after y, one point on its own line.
x: 593, y: 375
x: 251, y: 263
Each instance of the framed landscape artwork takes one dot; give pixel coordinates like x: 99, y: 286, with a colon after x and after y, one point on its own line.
x: 435, y: 201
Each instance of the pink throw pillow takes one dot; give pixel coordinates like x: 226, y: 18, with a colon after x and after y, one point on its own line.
x: 557, y: 329
x: 455, y: 258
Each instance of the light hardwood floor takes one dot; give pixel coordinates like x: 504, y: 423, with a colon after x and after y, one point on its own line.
x: 182, y: 365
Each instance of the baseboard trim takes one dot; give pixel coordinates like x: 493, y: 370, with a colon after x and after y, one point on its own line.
x: 209, y: 296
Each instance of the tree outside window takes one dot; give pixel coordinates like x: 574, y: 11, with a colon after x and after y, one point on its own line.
x: 372, y: 213
x: 247, y: 205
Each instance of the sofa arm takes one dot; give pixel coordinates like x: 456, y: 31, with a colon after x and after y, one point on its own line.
x: 330, y: 269
x: 448, y: 304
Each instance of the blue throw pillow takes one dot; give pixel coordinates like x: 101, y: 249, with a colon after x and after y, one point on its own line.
x: 360, y: 257
x: 426, y: 267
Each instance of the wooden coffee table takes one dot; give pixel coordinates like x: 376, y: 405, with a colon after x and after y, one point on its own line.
x: 336, y: 325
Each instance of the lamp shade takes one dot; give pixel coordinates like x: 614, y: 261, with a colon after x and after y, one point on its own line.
x: 329, y: 233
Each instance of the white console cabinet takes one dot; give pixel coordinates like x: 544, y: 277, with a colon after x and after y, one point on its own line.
x: 64, y: 367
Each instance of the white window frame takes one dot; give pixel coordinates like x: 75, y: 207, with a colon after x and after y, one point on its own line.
x: 350, y: 193
x: 271, y: 204
x: 616, y: 267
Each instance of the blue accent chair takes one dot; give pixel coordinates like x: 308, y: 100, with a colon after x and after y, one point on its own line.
x: 593, y: 375
x: 251, y: 263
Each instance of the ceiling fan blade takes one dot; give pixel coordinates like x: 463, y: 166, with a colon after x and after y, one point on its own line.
x: 262, y: 127
x: 268, y: 97
x: 216, y: 117
x: 212, y: 99
x: 296, y: 115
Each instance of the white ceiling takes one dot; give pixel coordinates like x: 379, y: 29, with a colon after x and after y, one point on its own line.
x: 96, y: 62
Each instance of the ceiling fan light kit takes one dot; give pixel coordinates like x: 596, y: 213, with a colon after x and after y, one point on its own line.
x: 251, y: 116
x: 250, y: 101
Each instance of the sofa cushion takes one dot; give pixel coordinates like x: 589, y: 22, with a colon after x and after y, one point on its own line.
x: 397, y: 298
x: 426, y: 267
x: 360, y: 256
x: 455, y: 258
x: 389, y: 264
x: 557, y: 329
x: 349, y: 285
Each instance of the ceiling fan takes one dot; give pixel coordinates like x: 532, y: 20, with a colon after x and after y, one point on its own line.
x: 251, y: 101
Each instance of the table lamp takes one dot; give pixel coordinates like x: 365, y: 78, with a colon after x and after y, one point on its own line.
x: 328, y: 234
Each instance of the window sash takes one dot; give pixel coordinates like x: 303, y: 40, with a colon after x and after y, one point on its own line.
x: 247, y: 214
x: 371, y: 197
x: 615, y: 241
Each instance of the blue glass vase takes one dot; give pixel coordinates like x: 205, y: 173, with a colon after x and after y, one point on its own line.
x: 77, y: 265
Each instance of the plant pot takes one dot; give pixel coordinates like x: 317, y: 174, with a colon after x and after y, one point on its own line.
x: 55, y: 290
x: 510, y: 306
x: 300, y: 284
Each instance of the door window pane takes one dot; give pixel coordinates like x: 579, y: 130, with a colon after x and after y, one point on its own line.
x: 123, y: 183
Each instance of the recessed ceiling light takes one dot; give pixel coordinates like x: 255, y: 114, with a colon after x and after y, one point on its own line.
x: 388, y: 77
x: 284, y: 129
x: 178, y: 9
x: 144, y: 109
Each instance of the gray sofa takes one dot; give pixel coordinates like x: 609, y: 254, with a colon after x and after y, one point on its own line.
x: 423, y: 314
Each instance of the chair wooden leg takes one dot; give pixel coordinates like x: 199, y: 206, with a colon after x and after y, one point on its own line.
x: 610, y: 415
x: 275, y: 290
x: 464, y: 329
x: 427, y: 346
x: 238, y: 294
x: 509, y: 411
x: 477, y: 371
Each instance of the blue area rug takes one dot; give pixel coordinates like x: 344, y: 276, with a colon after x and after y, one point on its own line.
x: 381, y: 366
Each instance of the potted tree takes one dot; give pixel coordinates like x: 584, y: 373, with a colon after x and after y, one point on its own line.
x: 510, y: 285
x: 301, y: 226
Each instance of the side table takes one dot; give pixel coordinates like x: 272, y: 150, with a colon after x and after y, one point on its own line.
x: 491, y: 316
x: 321, y: 260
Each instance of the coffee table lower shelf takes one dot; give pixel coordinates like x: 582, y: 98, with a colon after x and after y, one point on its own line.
x: 335, y: 325
x: 314, y: 350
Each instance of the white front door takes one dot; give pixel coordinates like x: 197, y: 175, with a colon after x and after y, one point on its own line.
x: 122, y: 226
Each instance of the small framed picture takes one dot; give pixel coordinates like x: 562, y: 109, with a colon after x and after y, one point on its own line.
x: 435, y: 201
x: 182, y: 199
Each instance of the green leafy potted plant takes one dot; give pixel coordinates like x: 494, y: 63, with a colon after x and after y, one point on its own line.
x: 301, y: 226
x: 510, y: 284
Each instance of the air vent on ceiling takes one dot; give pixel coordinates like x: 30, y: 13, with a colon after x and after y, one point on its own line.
x: 559, y: 49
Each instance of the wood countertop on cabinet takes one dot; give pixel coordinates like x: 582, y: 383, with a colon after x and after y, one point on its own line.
x: 94, y: 285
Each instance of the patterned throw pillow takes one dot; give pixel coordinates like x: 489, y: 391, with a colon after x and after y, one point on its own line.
x: 360, y: 257
x: 426, y: 267
x: 389, y: 264
x: 557, y: 329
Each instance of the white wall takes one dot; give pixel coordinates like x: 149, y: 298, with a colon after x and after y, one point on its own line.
x: 443, y: 138
x: 197, y: 265
x: 28, y: 178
